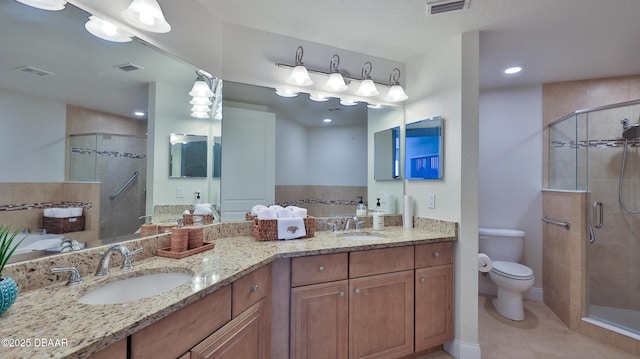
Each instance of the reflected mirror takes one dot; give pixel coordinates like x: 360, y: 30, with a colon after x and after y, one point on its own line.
x: 423, y: 149
x: 67, y: 108
x: 187, y: 155
x: 386, y: 146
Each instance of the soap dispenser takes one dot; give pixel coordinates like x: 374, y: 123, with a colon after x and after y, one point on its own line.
x: 378, y: 217
x: 361, y: 210
x: 198, y: 199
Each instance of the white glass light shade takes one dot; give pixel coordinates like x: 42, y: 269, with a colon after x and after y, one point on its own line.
x: 318, y: 97
x: 396, y: 94
x: 51, y: 5
x: 299, y: 76
x: 146, y: 15
x: 202, y: 101
x: 347, y: 102
x: 200, y: 114
x: 286, y: 92
x: 367, y: 89
x: 106, y: 30
x: 376, y: 106
x: 201, y: 89
x: 335, y: 83
x: 200, y: 108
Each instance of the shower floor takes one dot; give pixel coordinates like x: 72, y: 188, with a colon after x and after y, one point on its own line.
x: 625, y: 319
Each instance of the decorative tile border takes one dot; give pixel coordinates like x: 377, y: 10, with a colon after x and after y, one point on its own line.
x: 594, y: 143
x: 40, y: 205
x: 299, y: 202
x: 88, y: 151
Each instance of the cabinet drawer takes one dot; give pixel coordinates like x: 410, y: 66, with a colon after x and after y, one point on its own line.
x: 318, y: 269
x: 178, y: 332
x: 434, y: 254
x: 249, y: 289
x: 378, y: 261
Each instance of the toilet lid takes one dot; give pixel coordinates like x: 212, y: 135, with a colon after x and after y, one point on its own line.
x: 512, y: 270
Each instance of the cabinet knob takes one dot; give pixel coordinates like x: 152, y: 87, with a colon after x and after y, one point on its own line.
x: 422, y: 279
x: 321, y: 269
x: 436, y: 254
x: 254, y: 288
x: 341, y: 293
x: 357, y: 291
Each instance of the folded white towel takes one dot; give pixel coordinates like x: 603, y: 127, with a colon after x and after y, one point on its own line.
x: 58, y: 212
x: 297, y: 211
x: 275, y: 207
x: 75, y: 211
x: 257, y: 208
x: 284, y: 213
x: 267, y: 213
x: 202, y: 210
x: 289, y: 228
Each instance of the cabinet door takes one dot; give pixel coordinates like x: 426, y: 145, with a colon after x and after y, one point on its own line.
x: 381, y: 316
x: 246, y: 336
x: 117, y: 350
x: 319, y: 321
x: 434, y: 302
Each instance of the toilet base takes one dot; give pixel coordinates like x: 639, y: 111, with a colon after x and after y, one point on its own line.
x: 509, y: 305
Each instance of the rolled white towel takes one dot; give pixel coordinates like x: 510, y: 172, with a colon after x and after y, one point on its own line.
x: 267, y: 213
x: 284, y: 213
x: 202, y: 210
x: 186, y: 211
x: 298, y: 212
x: 257, y: 208
x: 275, y: 207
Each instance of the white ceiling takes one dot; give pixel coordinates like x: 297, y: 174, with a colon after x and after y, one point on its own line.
x: 555, y: 40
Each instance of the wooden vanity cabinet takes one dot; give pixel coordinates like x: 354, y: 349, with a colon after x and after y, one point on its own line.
x: 433, y: 295
x: 117, y: 350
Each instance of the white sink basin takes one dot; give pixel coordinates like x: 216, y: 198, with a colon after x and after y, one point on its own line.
x: 134, y: 288
x: 361, y: 236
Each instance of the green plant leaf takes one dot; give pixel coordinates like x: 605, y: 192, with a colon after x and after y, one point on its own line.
x: 6, y: 240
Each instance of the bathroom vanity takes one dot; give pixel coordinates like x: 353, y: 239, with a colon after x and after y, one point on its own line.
x: 246, y: 294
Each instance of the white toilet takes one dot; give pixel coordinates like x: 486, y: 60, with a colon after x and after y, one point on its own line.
x: 505, y: 247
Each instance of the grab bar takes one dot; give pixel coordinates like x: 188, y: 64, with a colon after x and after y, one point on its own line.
x: 564, y: 224
x: 113, y: 196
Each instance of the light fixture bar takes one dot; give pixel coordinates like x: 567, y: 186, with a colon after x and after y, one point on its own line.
x: 320, y: 72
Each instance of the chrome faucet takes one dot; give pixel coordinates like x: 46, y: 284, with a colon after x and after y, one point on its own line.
x: 103, y: 265
x: 356, y: 223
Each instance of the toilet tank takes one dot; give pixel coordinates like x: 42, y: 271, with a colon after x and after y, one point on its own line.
x: 501, y: 244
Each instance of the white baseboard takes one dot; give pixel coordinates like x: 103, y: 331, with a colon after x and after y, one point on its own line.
x: 461, y: 350
x: 534, y: 293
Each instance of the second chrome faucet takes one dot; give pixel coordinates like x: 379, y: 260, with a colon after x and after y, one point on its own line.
x: 103, y: 265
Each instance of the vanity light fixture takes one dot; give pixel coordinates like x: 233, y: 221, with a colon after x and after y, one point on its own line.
x: 201, y: 94
x: 396, y: 92
x: 347, y: 102
x: 106, y: 30
x: 146, y: 15
x: 367, y: 87
x: 284, y: 92
x: 376, y: 106
x: 336, y: 82
x: 299, y: 75
x: 51, y: 5
x: 318, y: 97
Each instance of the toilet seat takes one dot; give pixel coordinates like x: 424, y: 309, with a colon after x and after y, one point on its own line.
x: 512, y: 270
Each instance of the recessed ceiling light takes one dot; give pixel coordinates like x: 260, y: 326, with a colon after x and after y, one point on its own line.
x: 327, y: 120
x: 139, y: 113
x: 512, y: 70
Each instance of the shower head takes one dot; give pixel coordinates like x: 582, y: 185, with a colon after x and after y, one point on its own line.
x: 630, y: 131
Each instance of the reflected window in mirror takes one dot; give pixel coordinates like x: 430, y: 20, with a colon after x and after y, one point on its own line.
x: 188, y: 155
x: 386, y: 146
x: 217, y: 157
x: 423, y: 149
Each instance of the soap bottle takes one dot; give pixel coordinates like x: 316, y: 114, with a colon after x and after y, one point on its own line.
x: 378, y: 217
x: 361, y: 210
x: 198, y: 199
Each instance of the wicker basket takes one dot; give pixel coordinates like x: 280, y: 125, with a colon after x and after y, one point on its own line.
x: 267, y: 229
x: 63, y: 225
x: 188, y: 218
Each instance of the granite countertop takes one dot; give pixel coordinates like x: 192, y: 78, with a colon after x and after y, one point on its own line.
x: 50, y: 323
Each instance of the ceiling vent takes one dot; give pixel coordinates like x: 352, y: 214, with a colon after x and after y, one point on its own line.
x: 442, y: 6
x: 128, y: 67
x: 34, y: 71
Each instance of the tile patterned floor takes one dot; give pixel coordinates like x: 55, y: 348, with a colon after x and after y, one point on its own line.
x: 540, y: 336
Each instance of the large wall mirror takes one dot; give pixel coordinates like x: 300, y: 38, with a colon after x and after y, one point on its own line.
x: 67, y: 109
x: 320, y: 150
x: 387, y: 154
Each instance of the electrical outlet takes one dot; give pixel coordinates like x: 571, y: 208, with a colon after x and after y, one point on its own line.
x: 179, y: 192
x: 431, y: 200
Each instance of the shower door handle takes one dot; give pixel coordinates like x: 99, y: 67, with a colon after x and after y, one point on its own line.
x: 598, y: 221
